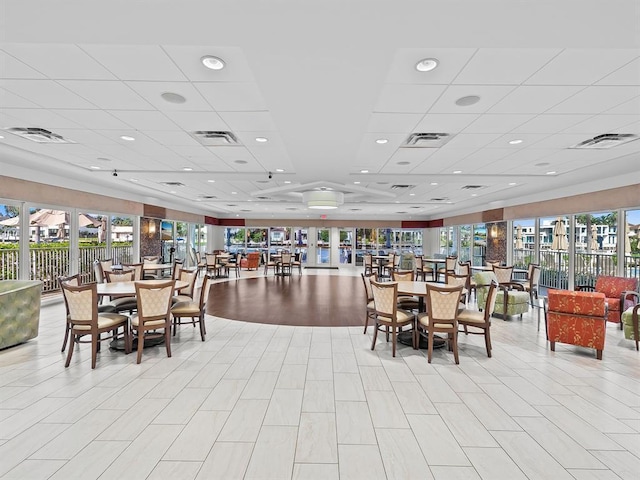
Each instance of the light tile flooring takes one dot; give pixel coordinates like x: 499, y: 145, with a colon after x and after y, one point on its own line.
x: 270, y: 402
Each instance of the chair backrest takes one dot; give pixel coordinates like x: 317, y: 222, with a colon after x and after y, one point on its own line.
x: 450, y: 263
x: 286, y: 258
x: 490, y: 304
x: 402, y: 275
x: 97, y: 271
x: 123, y: 276
x: 204, y: 293
x: 385, y: 298
x: 455, y: 279
x: 368, y: 260
x: 612, y: 287
x: 464, y: 268
x: 106, y: 264
x: 151, y: 259
x: 211, y: 259
x: 419, y: 262
x: 73, y: 280
x: 82, y: 303
x: 443, y: 303
x: 534, y: 276
x: 253, y: 259
x: 503, y: 274
x: 177, y: 265
x: 366, y: 279
x: 189, y: 276
x: 137, y: 269
x: 154, y: 300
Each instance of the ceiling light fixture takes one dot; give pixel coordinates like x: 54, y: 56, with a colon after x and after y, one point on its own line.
x: 511, y: 184
x: 173, y: 97
x: 323, y: 199
x: 93, y: 167
x: 211, y: 181
x: 187, y: 169
x: 287, y: 181
x: 127, y: 138
x: 280, y: 170
x: 381, y: 141
x: 434, y: 183
x: 551, y: 173
x: 364, y: 171
x: 212, y: 63
x: 262, y: 139
x: 457, y: 171
x: 515, y: 142
x: 356, y: 183
x: 467, y: 101
x: 426, y: 64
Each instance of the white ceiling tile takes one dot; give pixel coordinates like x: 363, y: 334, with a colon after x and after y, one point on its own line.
x: 603, y: 124
x: 13, y: 68
x: 93, y: 119
x: 534, y: 99
x: 41, y: 118
x: 152, y: 93
x: 582, y: 66
x: 172, y: 138
x: 59, y: 61
x: 188, y: 59
x: 504, y: 66
x: 232, y: 97
x: 192, y: 121
x: 628, y: 74
x: 191, y: 151
x: 109, y: 95
x: 451, y: 61
x: 497, y: 123
x: 472, y: 140
x: 46, y: 93
x: 549, y: 123
x: 630, y: 107
x: 136, y: 62
x: 560, y: 140
x: 528, y: 139
x: 85, y: 137
x: 415, y: 156
x: 393, y: 122
x: 7, y: 120
x: 249, y: 121
x: 402, y: 98
x: 489, y: 96
x: 487, y: 155
x: 445, y: 122
x: 231, y: 153
x: 145, y: 120
x: 596, y: 99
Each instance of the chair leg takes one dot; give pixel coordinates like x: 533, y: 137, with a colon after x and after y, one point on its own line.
x: 430, y: 349
x: 454, y: 339
x: 167, y: 339
x: 72, y: 345
x: 366, y: 322
x: 66, y: 337
x: 552, y: 344
x: 375, y: 335
x: 487, y: 341
x: 95, y: 342
x: 140, y: 344
x: 394, y: 335
x: 201, y: 321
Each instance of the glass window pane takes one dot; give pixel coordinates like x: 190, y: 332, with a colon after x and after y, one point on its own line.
x: 9, y: 242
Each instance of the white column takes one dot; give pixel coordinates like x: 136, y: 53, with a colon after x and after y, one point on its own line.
x: 24, y: 259
x: 74, y: 244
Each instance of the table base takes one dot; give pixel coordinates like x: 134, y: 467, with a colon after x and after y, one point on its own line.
x: 406, y: 338
x: 148, y: 342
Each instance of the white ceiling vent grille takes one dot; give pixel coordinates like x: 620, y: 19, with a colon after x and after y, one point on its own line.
x: 473, y: 187
x: 607, y: 140
x: 39, y: 135
x: 426, y: 140
x: 210, y: 138
x: 401, y: 187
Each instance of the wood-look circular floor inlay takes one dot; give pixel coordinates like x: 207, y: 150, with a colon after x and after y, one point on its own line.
x: 301, y: 300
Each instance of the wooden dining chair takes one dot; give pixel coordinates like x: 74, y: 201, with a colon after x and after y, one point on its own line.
x: 370, y: 306
x: 74, y: 281
x: 186, y: 294
x: 388, y: 315
x: 85, y: 320
x: 480, y: 322
x: 138, y: 272
x: 193, y: 309
x: 441, y: 316
x: 503, y: 274
x: 154, y: 313
x: 122, y: 303
x: 407, y: 302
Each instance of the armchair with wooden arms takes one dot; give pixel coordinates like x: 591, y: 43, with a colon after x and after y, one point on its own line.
x: 620, y: 292
x: 512, y: 299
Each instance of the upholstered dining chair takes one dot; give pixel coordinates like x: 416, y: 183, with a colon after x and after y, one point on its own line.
x: 269, y: 263
x: 213, y: 267
x: 441, y: 316
x: 297, y: 262
x: 480, y: 322
x: 459, y: 279
x: 74, y: 281
x: 122, y: 303
x: 422, y: 270
x: 367, y: 260
x: 388, y: 315
x: 450, y: 263
x: 177, y: 266
x: 503, y: 274
x: 406, y: 302
x: 85, y: 320
x: 154, y: 313
x: 138, y: 272
x: 464, y: 268
x: 192, y: 309
x: 285, y: 264
x: 186, y: 294
x: 151, y: 274
x: 370, y: 307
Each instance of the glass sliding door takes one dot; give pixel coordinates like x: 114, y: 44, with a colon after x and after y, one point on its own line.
x: 346, y: 244
x: 479, y: 244
x: 323, y: 247
x: 301, y: 244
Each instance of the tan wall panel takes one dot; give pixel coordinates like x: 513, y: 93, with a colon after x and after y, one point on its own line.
x: 179, y: 216
x: 321, y: 223
x: 467, y: 219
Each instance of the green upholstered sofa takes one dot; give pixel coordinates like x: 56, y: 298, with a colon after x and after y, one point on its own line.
x: 19, y: 311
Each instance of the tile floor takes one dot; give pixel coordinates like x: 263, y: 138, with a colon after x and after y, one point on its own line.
x: 271, y: 402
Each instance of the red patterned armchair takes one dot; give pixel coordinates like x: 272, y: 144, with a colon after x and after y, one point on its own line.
x: 621, y: 293
x: 577, y: 318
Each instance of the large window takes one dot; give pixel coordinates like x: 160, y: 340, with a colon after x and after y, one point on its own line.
x: 524, y: 242
x: 479, y: 244
x: 9, y: 242
x: 632, y: 244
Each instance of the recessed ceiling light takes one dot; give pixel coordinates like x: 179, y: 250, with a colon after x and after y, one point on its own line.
x: 127, y: 138
x: 212, y: 63
x: 280, y: 170
x: 515, y: 142
x: 551, y: 173
x: 172, y: 191
x: 404, y: 163
x: 133, y: 180
x: 173, y: 97
x: 211, y: 181
x: 1, y: 137
x: 426, y: 64
x: 234, y: 193
x: 356, y: 183
x: 434, y: 183
x: 364, y: 171
x: 381, y: 141
x: 93, y: 167
x: 468, y: 100
x: 187, y: 169
x: 457, y: 171
x: 412, y: 194
x: 262, y: 139
x: 511, y: 184
x: 474, y: 194
x: 541, y: 164
x: 240, y: 162
x: 287, y: 181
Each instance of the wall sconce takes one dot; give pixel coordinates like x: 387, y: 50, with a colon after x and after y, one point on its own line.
x: 494, y: 231
x: 151, y: 230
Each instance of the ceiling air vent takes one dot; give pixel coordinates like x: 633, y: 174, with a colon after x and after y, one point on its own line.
x: 439, y: 199
x: 208, y: 197
x: 401, y: 187
x: 173, y: 184
x: 426, y: 140
x: 473, y: 187
x: 263, y: 198
x: 210, y: 138
x: 39, y: 135
x: 607, y: 140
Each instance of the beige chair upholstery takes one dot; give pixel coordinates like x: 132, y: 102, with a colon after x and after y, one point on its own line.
x: 192, y: 309
x: 367, y: 260
x: 177, y: 266
x: 84, y: 319
x: 449, y: 267
x: 122, y: 303
x: 406, y: 302
x: 441, y: 316
x: 138, y: 273
x: 74, y: 281
x: 285, y: 264
x: 186, y: 294
x: 297, y: 263
x: 423, y: 270
x: 371, y: 309
x: 213, y: 267
x: 480, y: 322
x: 459, y: 279
x: 464, y: 268
x: 388, y: 315
x: 269, y: 263
x: 503, y: 274
x: 154, y: 313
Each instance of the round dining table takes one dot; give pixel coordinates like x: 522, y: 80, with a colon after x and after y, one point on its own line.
x: 129, y: 288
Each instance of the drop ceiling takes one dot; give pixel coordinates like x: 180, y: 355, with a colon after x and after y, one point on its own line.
x: 322, y: 82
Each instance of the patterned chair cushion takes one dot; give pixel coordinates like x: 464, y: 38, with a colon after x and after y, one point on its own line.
x: 612, y: 287
x: 517, y: 302
x: 483, y: 280
x: 627, y: 322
